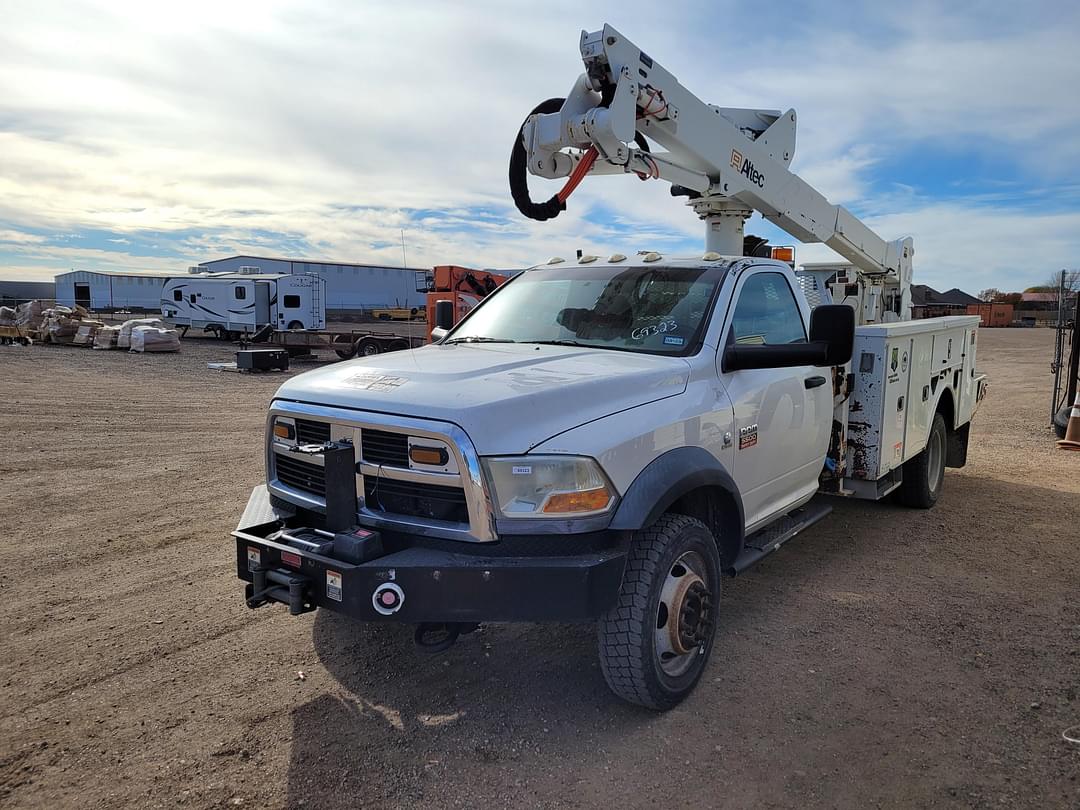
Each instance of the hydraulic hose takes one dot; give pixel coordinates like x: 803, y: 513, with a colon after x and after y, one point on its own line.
x: 519, y: 186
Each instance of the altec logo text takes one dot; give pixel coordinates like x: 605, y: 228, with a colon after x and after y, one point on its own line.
x: 745, y: 167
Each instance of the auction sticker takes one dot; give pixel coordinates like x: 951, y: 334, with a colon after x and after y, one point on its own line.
x: 254, y: 557
x: 333, y: 585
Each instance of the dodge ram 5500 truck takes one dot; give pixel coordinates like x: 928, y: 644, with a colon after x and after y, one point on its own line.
x: 597, y: 441
x: 602, y: 440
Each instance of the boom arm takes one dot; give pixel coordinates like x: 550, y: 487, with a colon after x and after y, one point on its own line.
x: 728, y: 161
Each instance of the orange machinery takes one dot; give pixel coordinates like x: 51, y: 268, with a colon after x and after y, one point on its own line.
x: 463, y: 286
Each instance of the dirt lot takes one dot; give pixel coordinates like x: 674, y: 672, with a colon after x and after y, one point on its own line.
x: 886, y: 657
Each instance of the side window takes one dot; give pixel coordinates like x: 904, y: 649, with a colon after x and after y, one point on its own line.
x: 766, y: 314
x: 292, y: 302
x: 240, y: 293
x: 177, y: 295
x: 191, y: 298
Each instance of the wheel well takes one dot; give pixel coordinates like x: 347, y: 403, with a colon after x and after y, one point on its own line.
x: 716, y: 508
x: 946, y: 409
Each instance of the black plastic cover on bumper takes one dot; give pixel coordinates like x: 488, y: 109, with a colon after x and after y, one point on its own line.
x: 438, y: 585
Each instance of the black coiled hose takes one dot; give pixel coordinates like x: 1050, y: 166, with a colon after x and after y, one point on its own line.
x: 519, y: 186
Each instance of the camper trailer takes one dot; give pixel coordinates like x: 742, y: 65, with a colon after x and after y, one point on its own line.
x: 232, y: 304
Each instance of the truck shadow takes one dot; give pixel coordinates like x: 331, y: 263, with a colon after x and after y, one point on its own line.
x: 400, y: 725
x: 404, y: 719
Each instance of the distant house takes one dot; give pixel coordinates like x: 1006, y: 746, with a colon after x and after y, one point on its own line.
x: 1039, y: 300
x: 926, y: 302
x: 1041, y: 308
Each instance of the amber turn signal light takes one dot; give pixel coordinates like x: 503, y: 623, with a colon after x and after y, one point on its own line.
x: 588, y: 500
x: 283, y: 431
x: 432, y: 456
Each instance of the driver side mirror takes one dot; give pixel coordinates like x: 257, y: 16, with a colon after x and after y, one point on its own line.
x: 834, y: 326
x: 832, y: 340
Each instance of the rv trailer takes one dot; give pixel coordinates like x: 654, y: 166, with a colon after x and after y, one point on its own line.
x: 233, y: 304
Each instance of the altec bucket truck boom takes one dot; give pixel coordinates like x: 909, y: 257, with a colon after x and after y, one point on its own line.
x: 729, y: 162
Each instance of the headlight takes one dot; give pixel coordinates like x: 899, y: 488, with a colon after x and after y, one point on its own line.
x: 548, y: 486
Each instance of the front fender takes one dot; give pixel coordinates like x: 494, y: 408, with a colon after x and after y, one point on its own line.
x: 671, y: 476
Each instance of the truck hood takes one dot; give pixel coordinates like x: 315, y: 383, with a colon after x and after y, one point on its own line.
x: 507, y: 397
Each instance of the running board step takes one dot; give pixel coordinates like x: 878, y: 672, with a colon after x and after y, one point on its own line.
x: 764, y: 542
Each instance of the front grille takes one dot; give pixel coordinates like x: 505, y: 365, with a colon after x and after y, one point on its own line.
x: 308, y: 432
x: 300, y: 475
x: 381, y: 447
x: 416, y: 500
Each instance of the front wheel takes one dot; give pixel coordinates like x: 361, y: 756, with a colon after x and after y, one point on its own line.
x: 655, y: 642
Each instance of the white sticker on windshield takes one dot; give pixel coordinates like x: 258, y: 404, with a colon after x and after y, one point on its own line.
x: 521, y: 470
x: 670, y: 340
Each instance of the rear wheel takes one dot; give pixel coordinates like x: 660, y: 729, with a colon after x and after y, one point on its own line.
x: 924, y: 475
x: 655, y: 642
x: 397, y: 345
x: 347, y: 353
x: 368, y: 347
x: 295, y: 325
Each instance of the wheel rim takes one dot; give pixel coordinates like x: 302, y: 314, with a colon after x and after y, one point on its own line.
x: 937, y: 455
x: 683, y: 615
x: 369, y: 349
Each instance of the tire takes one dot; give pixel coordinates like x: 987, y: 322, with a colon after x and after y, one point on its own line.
x: 1061, y: 421
x: 346, y: 354
x: 397, y: 345
x: 367, y: 347
x: 924, y: 475
x: 295, y: 325
x: 638, y: 654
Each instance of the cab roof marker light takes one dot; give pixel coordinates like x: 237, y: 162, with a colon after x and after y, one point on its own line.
x: 711, y: 256
x: 556, y: 260
x: 616, y: 257
x: 651, y: 256
x: 589, y: 259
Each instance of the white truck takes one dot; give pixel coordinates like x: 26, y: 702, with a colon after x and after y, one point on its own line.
x: 602, y: 440
x: 235, y: 304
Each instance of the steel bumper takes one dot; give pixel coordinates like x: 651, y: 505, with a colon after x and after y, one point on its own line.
x: 436, y: 585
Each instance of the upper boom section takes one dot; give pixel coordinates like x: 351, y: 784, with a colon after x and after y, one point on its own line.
x: 727, y: 160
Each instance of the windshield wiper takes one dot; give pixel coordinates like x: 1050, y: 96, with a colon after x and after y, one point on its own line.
x: 561, y: 343
x: 477, y: 339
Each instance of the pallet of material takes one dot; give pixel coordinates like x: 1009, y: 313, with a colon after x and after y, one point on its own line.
x: 152, y: 339
x: 106, y: 337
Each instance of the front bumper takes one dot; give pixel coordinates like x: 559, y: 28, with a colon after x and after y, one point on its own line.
x: 438, y: 584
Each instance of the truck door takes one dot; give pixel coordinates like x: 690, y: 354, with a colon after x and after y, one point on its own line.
x: 783, y: 416
x: 262, y: 303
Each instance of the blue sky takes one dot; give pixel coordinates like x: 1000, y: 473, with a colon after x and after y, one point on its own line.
x: 143, y: 136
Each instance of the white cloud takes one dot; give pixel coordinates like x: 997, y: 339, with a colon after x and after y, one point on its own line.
x: 223, y: 123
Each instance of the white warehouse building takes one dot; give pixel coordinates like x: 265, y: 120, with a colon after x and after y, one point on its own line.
x: 349, y: 287
x: 101, y: 290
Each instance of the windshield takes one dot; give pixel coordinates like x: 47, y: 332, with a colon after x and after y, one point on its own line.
x: 660, y: 310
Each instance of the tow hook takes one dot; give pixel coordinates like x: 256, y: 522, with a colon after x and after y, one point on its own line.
x: 437, y: 637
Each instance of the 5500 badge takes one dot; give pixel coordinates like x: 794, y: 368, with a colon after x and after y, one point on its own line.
x: 747, y: 436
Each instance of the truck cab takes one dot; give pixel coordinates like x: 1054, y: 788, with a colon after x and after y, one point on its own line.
x: 595, y: 441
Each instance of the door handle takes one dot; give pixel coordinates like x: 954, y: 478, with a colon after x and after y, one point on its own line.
x: 814, y: 382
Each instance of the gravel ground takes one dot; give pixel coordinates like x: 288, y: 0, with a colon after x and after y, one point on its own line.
x: 886, y: 657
